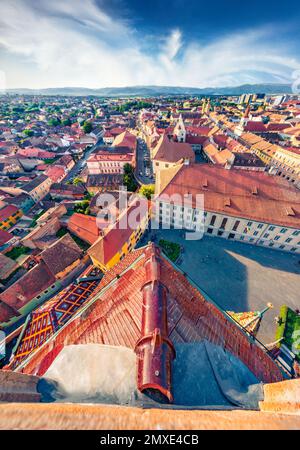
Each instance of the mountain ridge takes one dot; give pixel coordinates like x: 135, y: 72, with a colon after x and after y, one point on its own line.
x: 153, y: 90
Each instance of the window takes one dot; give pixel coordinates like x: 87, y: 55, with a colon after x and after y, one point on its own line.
x: 255, y: 233
x: 266, y: 235
x: 283, y: 230
x: 213, y: 219
x: 288, y: 240
x: 271, y: 228
x: 260, y: 225
x: 237, y: 222
x: 296, y: 233
x: 231, y: 236
x: 293, y: 249
x: 220, y: 233
x: 224, y: 221
x: 209, y: 230
x: 249, y: 224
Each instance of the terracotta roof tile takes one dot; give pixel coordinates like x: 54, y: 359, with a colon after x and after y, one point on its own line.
x: 274, y: 193
x: 172, y: 151
x: 114, y: 316
x: 61, y: 254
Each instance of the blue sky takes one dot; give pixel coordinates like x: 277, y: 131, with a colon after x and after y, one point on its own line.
x: 99, y: 43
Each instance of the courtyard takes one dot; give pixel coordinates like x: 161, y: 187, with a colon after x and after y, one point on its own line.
x: 239, y: 277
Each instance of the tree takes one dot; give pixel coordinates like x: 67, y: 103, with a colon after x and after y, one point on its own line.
x: 67, y: 122
x: 54, y: 122
x: 82, y: 207
x: 28, y: 132
x: 128, y: 178
x: 147, y: 190
x: 87, y: 127
x: 77, y: 181
x: 128, y: 169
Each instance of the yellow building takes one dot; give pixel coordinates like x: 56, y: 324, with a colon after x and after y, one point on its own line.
x: 9, y: 215
x: 264, y: 150
x: 286, y: 163
x: 120, y: 238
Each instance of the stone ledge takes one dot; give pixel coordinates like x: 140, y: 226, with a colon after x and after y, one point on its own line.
x: 102, y: 417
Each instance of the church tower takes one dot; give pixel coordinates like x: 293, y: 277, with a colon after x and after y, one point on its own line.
x: 179, y: 130
x: 241, y: 126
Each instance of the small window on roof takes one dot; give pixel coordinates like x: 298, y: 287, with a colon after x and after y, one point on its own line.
x: 227, y: 201
x: 290, y: 211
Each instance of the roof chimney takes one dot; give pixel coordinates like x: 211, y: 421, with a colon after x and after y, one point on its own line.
x: 154, y: 350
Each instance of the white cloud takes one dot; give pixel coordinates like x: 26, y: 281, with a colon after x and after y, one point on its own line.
x: 173, y: 44
x: 74, y: 43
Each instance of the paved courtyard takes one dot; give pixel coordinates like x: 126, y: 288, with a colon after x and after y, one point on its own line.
x: 241, y: 277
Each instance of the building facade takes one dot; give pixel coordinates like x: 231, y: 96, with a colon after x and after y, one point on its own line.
x: 235, y: 228
x: 286, y: 164
x: 267, y: 215
x: 116, y: 242
x: 108, y: 163
x: 38, y: 188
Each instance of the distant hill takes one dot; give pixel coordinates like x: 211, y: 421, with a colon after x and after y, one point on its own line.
x: 144, y: 91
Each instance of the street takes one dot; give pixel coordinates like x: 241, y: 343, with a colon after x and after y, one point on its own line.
x: 143, y: 171
x: 79, y: 165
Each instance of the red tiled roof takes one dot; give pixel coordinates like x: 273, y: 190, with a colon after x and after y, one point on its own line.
x: 5, y: 236
x: 84, y: 226
x: 52, y: 315
x: 114, y: 237
x: 106, y: 156
x: 108, y: 134
x: 25, y: 289
x: 275, y: 195
x: 125, y: 139
x: 255, y: 126
x: 193, y: 140
x: 172, y: 151
x: 220, y: 140
x: 117, y: 130
x: 7, y: 211
x: 55, y: 173
x: 201, y: 130
x: 33, y: 152
x: 277, y: 126
x: 61, y: 254
x: 177, y: 312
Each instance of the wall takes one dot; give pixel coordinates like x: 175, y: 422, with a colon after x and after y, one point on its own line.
x: 248, y: 231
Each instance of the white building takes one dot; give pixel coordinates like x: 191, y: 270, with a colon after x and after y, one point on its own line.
x: 286, y: 163
x: 168, y: 153
x: 179, y: 130
x: 251, y: 207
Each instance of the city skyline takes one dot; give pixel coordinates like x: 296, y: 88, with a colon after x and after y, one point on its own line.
x: 98, y: 44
